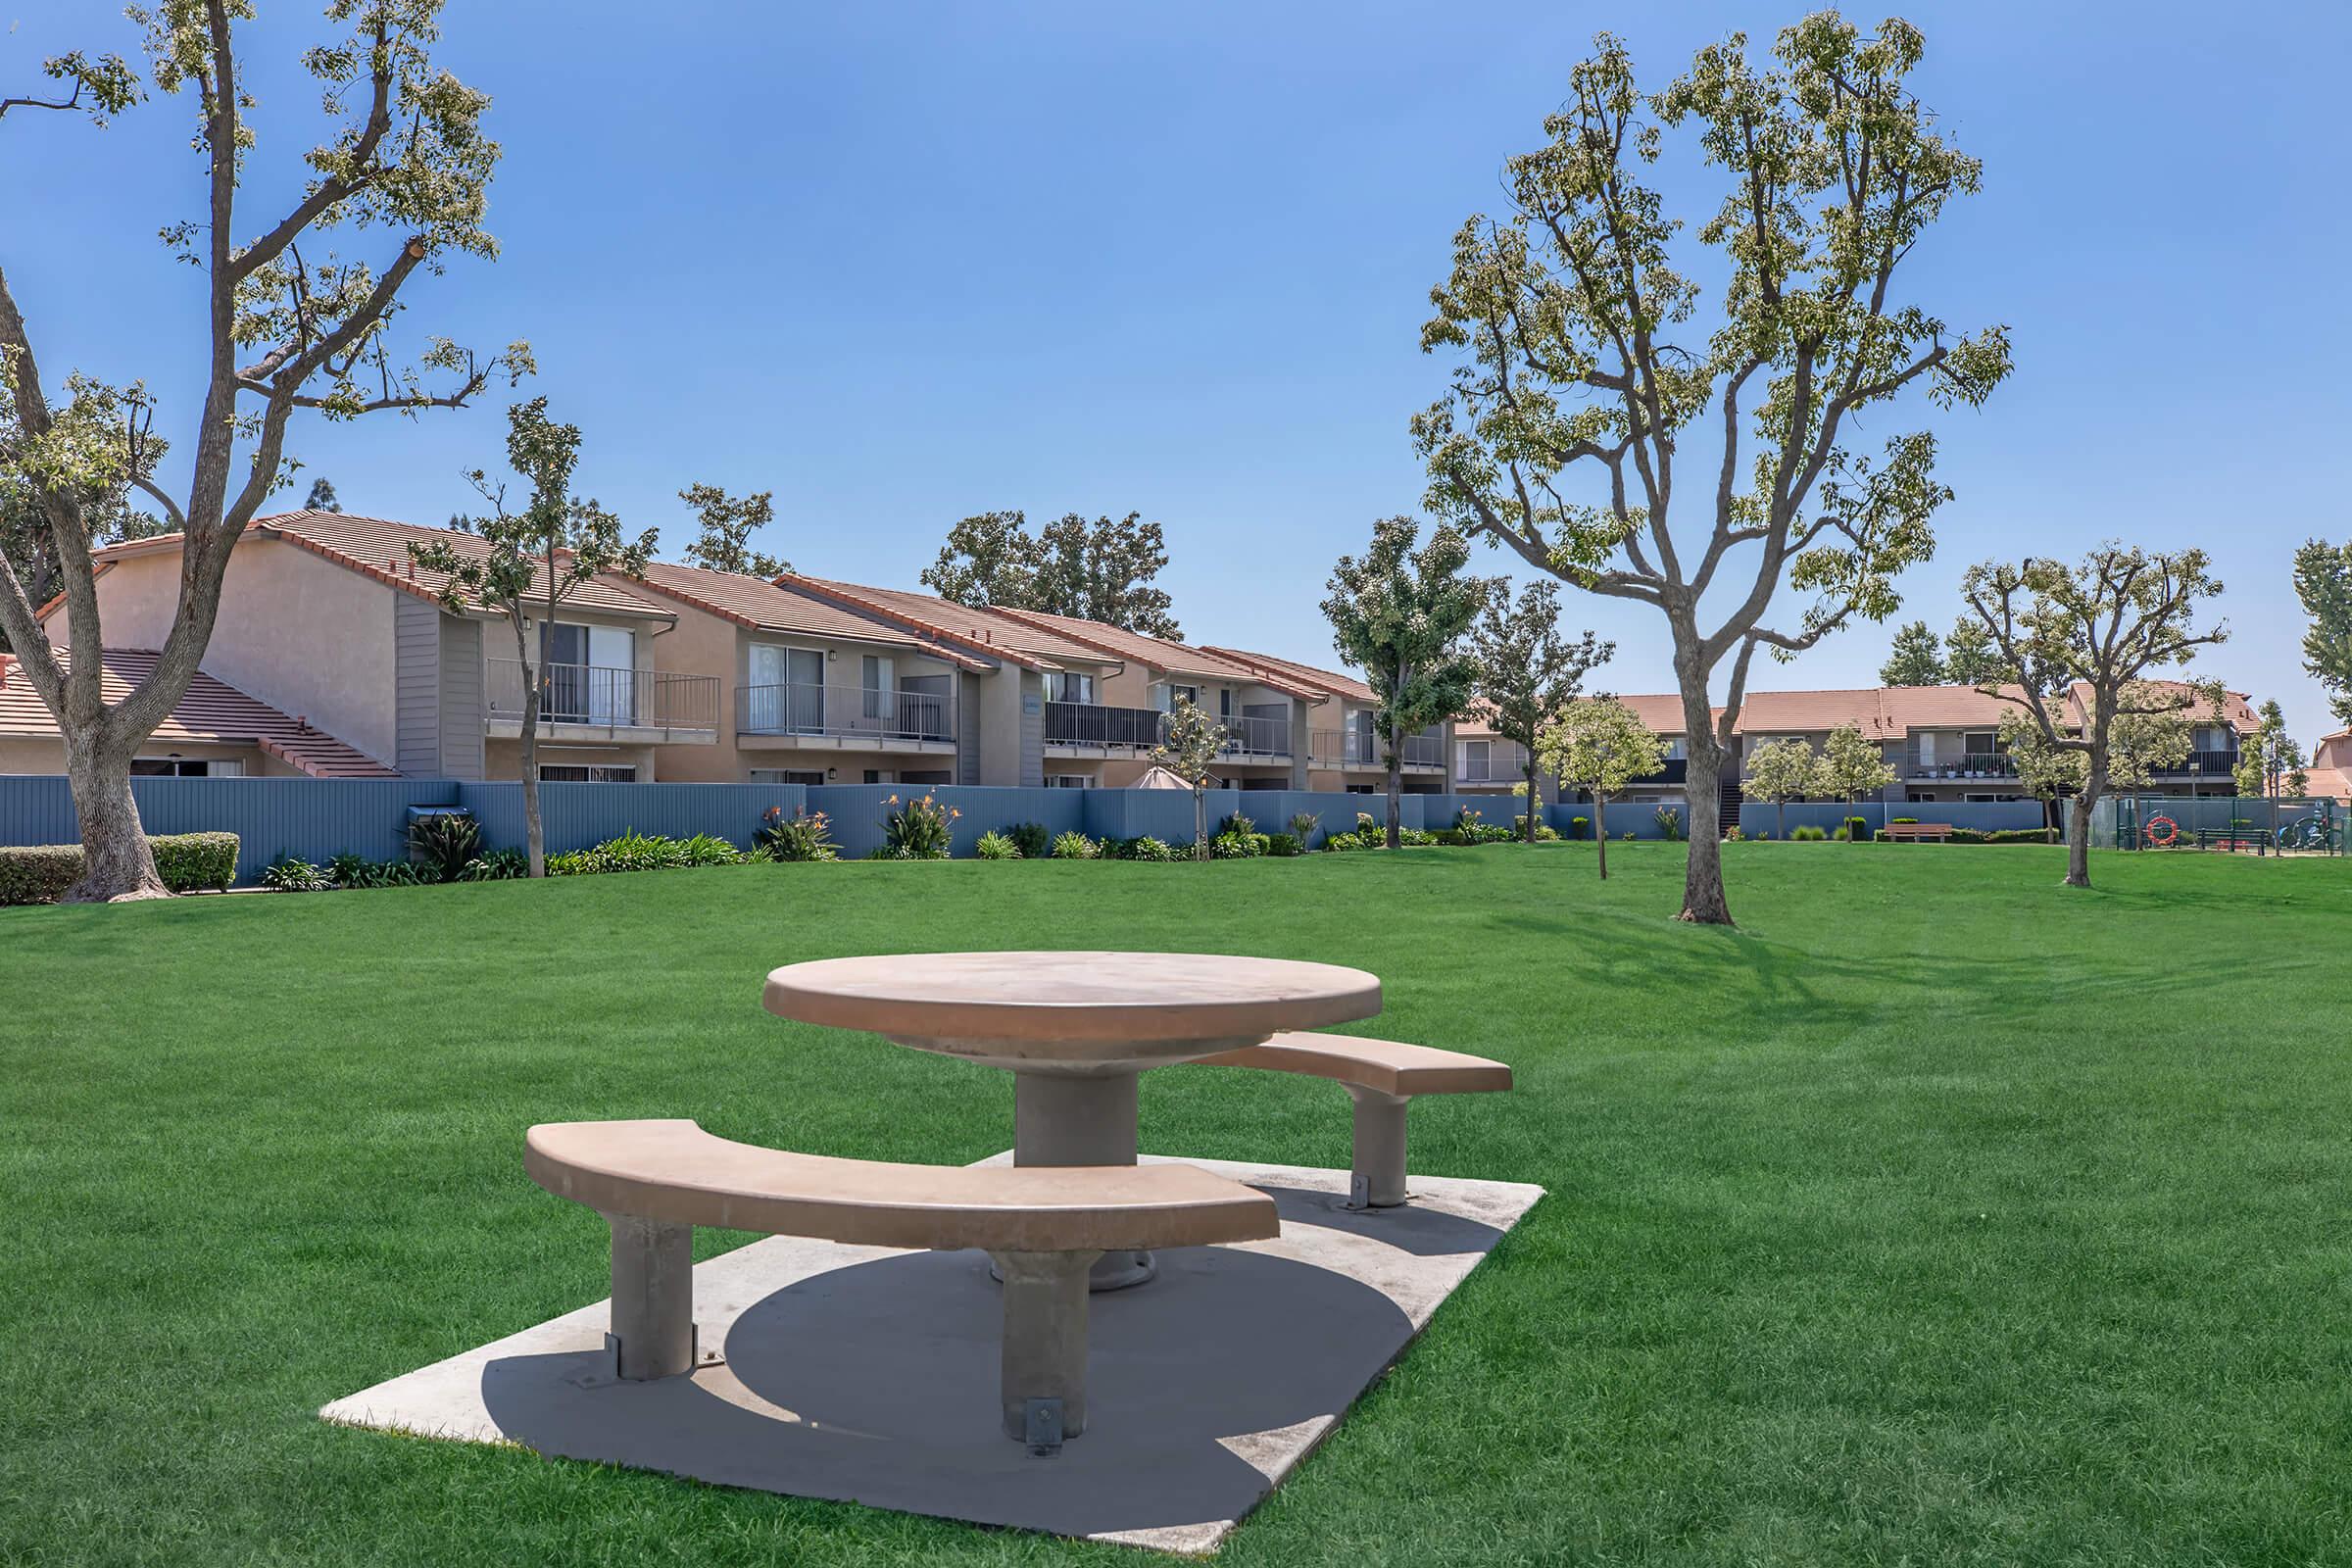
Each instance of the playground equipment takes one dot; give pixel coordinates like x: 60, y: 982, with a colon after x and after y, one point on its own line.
x: 2234, y: 823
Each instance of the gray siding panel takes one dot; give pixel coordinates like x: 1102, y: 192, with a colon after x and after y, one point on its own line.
x: 463, y: 707
x: 967, y: 730
x: 1033, y: 730
x: 415, y: 687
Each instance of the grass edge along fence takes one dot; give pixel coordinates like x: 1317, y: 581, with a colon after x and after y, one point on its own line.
x: 317, y: 819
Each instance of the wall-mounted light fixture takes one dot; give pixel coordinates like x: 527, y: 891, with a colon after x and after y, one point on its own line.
x: 832, y: 772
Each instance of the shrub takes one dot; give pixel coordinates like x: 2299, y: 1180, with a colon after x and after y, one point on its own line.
x: 1580, y: 827
x: 575, y: 863
x: 707, y: 849
x: 1906, y: 821
x: 1807, y: 834
x: 1148, y: 848
x: 1074, y: 846
x: 1857, y: 829
x: 1235, y: 822
x: 1732, y: 835
x: 1416, y: 837
x: 444, y: 842
x: 1304, y: 825
x: 1284, y: 845
x: 349, y: 870
x: 1669, y: 824
x: 917, y: 830
x: 994, y: 846
x: 37, y: 873
x: 1546, y: 833
x: 805, y: 835
x: 189, y: 861
x: 1230, y: 846
x: 1034, y: 840
x: 286, y: 874
x: 495, y: 866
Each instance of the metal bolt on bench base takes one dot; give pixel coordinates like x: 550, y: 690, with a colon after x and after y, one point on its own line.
x: 1045, y: 1338
x: 1379, y: 1178
x: 653, y: 1297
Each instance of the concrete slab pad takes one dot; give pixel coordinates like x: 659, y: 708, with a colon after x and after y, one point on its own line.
x: 868, y: 1375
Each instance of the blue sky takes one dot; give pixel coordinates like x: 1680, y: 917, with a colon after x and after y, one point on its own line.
x: 904, y: 262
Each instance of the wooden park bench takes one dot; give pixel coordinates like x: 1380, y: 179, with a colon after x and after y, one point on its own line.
x: 1044, y: 1225
x: 1381, y: 1077
x: 1897, y: 832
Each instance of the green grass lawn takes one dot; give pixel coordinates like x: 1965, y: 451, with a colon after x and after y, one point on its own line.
x: 1939, y: 1214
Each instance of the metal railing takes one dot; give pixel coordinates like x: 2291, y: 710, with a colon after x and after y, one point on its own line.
x: 2205, y: 765
x: 1969, y: 764
x: 1353, y: 748
x: 606, y: 697
x: 1095, y: 724
x: 850, y: 712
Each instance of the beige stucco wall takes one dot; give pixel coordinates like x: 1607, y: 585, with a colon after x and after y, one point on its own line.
x: 305, y: 636
x: 23, y: 755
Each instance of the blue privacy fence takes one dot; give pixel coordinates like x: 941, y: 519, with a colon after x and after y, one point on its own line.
x: 314, y: 820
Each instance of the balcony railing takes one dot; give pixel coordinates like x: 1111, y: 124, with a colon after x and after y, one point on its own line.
x: 606, y: 697
x: 2205, y: 765
x: 856, y: 712
x: 1969, y: 764
x: 1093, y: 724
x: 1353, y: 748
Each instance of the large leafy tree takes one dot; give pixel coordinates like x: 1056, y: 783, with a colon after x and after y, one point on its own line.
x: 2323, y: 582
x: 288, y: 324
x: 1915, y: 660
x: 1599, y: 745
x: 1528, y: 670
x: 2152, y: 732
x: 1780, y: 771
x: 2074, y: 647
x: 1584, y: 355
x: 727, y: 526
x: 1399, y: 613
x: 1094, y: 570
x: 538, y: 554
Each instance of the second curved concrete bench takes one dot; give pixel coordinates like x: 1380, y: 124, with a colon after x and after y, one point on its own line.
x: 1382, y: 1076
x: 1044, y: 1225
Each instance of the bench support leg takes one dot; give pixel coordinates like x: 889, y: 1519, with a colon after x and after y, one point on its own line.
x: 653, y: 1297
x: 1045, y: 1336
x: 1378, y: 1180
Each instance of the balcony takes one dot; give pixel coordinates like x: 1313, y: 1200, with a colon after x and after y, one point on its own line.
x: 884, y: 720
x: 1969, y: 764
x: 2204, y: 764
x: 1093, y: 725
x: 577, y: 700
x: 1353, y: 748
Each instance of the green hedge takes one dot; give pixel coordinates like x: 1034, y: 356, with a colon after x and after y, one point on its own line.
x: 187, y: 862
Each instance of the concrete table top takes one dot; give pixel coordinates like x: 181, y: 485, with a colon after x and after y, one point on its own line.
x: 1072, y: 1010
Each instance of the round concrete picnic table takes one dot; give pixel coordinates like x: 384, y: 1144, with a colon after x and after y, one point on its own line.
x: 1075, y: 1029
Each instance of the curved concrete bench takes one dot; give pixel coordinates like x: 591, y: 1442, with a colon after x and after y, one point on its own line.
x: 1382, y: 1076
x: 1044, y: 1226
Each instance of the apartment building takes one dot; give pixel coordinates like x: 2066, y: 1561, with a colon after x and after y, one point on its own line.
x: 1346, y: 753
x: 1943, y: 743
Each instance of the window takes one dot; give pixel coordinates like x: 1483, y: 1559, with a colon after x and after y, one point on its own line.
x: 1981, y: 742
x: 1986, y: 800
x: 1069, y: 781
x: 1069, y: 686
x: 1674, y: 748
x: 1477, y: 761
x: 590, y: 674
x: 587, y: 773
x: 926, y: 777
x: 788, y: 776
x: 186, y: 768
x: 1190, y: 694
x: 875, y: 675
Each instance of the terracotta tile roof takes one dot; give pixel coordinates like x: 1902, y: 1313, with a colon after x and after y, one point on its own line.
x: 2237, y: 709
x: 2332, y: 783
x: 1160, y: 652
x: 1329, y: 681
x: 379, y: 548
x: 987, y: 631
x: 1661, y: 712
x: 212, y: 712
x: 764, y: 606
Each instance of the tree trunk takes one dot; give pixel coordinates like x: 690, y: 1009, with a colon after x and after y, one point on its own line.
x: 1780, y: 811
x: 1531, y: 795
x: 2077, y: 849
x: 1396, y: 783
x: 1600, y: 830
x: 1199, y: 825
x: 1703, y: 902
x: 534, y: 831
x: 116, y: 864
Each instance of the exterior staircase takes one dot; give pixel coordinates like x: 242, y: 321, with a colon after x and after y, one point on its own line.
x: 1728, y: 797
